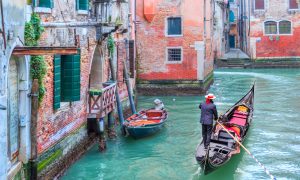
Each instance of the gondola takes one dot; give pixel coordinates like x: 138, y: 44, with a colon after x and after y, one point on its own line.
x: 145, y: 123
x: 237, y: 120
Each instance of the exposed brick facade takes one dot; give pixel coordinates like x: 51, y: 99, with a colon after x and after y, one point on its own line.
x: 265, y: 46
x: 153, y: 41
x: 55, y: 126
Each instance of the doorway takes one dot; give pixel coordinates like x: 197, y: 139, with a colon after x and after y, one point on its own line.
x: 232, y: 41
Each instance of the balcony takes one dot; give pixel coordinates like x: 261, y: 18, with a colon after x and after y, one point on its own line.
x: 101, y: 101
x: 112, y: 15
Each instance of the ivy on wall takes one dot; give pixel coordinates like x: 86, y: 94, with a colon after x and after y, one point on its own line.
x: 110, y: 45
x: 38, y: 67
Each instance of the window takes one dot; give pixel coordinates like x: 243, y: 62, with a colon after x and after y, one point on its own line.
x: 131, y: 59
x: 293, y: 4
x: 259, y: 4
x: 174, y: 26
x: 281, y: 27
x: 66, y: 79
x: 174, y: 54
x: 285, y: 27
x: 43, y: 3
x: 231, y: 16
x: 82, y: 4
x: 270, y: 27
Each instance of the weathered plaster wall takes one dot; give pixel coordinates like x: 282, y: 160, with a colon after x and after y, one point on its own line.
x: 13, y: 15
x: 152, y: 42
x: 274, y: 46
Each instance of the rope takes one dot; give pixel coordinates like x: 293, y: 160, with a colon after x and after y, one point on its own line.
x: 260, y: 164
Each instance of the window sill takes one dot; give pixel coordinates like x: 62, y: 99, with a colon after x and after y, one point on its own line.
x: 83, y: 12
x: 259, y: 10
x: 43, y: 10
x: 174, y: 62
x: 278, y: 35
x: 181, y: 35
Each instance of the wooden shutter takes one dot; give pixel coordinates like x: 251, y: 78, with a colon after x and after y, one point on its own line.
x: 34, y: 3
x: 70, y: 78
x: 46, y: 3
x: 259, y: 4
x: 56, y: 81
x: 174, y: 26
x: 82, y: 4
x: 293, y: 4
x: 131, y: 59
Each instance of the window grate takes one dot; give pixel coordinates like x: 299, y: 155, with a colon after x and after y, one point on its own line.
x: 174, y: 54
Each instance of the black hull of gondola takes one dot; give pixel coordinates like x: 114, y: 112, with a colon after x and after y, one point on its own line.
x: 222, y: 146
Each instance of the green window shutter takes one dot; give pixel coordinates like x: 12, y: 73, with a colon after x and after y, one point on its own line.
x: 56, y: 81
x: 34, y: 3
x: 46, y: 3
x: 70, y: 78
x: 77, y: 4
x: 82, y: 4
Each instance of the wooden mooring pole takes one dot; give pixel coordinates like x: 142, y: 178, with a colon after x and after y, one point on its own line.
x: 33, y: 129
x: 102, y: 140
x: 119, y: 105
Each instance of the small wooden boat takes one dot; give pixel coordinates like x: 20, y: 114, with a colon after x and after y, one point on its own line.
x: 237, y: 121
x: 145, y: 123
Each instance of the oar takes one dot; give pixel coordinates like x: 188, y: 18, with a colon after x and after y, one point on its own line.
x: 260, y: 164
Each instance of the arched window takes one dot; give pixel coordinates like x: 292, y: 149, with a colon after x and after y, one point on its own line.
x: 270, y: 27
x: 285, y: 27
x: 231, y: 16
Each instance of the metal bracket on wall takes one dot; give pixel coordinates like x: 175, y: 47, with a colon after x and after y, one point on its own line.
x: 2, y: 107
x: 32, y: 95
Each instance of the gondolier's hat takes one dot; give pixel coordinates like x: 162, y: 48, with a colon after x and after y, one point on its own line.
x: 210, y: 96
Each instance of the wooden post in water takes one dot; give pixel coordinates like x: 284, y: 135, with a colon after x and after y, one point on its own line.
x: 111, y: 125
x: 33, y: 129
x: 119, y: 105
x: 129, y: 89
x: 102, y: 140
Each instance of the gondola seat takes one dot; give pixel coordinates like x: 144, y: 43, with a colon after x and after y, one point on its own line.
x: 238, y: 121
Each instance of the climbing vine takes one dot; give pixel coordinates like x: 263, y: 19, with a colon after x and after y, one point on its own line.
x: 110, y: 45
x: 38, y: 67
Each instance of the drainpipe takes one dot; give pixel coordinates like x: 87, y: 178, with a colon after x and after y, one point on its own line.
x: 33, y: 129
x: 3, y: 27
x: 127, y: 80
x: 204, y: 24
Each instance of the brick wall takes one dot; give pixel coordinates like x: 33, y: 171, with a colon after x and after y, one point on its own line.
x: 274, y: 46
x: 54, y: 125
x: 152, y: 42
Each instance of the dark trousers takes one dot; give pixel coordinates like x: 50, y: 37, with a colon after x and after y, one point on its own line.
x: 206, y: 134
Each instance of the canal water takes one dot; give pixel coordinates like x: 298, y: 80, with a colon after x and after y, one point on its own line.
x: 274, y: 137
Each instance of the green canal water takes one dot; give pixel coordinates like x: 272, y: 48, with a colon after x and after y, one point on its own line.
x: 274, y: 137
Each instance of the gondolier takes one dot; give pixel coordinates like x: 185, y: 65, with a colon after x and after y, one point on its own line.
x: 208, y: 113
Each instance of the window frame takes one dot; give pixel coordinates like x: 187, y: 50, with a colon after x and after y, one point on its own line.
x: 277, y: 25
x: 254, y: 6
x: 290, y: 6
x: 40, y: 9
x: 81, y: 11
x: 167, y: 55
x: 264, y: 25
x: 167, y: 27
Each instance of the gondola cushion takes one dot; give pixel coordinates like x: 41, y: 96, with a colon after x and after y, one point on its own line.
x: 238, y: 121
